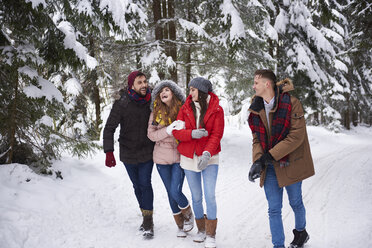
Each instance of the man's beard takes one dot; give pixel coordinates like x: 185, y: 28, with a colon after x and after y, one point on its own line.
x: 140, y: 92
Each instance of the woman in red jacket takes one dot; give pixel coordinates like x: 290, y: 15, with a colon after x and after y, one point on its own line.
x: 199, y: 148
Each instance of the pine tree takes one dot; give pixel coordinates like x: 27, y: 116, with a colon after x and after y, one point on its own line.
x: 244, y: 49
x: 30, y: 100
x: 47, y: 49
x: 358, y: 106
x: 303, y: 53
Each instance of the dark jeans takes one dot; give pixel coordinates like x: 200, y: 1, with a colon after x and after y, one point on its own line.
x: 172, y: 176
x: 140, y: 175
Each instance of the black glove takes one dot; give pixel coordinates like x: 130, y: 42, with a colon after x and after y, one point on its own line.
x: 266, y: 158
x: 255, y: 170
x: 259, y: 165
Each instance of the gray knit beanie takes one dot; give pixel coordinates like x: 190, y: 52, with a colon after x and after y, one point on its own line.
x: 201, y: 84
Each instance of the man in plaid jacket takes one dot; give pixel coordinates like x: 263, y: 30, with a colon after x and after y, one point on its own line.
x: 281, y: 152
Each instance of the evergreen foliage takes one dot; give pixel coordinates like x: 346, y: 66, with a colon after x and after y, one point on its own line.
x: 49, y: 76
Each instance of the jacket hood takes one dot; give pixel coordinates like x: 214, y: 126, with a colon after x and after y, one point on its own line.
x: 285, y: 85
x: 119, y: 93
x: 177, y: 91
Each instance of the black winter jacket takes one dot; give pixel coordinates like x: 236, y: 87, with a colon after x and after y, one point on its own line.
x: 135, y: 146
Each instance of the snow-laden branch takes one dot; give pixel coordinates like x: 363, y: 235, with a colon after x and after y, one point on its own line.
x: 193, y: 27
x: 70, y: 42
x: 46, y: 89
x: 237, y: 29
x: 35, y: 3
x: 119, y: 9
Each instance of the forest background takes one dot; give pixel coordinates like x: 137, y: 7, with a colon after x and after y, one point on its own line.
x: 61, y: 61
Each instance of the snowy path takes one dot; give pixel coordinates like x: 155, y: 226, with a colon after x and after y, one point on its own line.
x: 94, y: 206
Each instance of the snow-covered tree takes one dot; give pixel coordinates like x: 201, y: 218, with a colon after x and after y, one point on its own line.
x: 51, y: 75
x: 304, y: 53
x: 245, y: 49
x: 358, y: 26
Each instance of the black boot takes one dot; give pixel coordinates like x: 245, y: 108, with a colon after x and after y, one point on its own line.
x: 148, y: 224
x: 300, y: 238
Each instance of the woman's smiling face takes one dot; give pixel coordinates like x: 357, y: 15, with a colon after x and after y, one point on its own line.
x: 166, y: 95
x: 194, y: 92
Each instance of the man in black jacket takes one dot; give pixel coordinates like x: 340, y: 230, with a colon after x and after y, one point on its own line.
x: 132, y: 112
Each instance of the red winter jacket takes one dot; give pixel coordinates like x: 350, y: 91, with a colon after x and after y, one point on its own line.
x: 214, y: 124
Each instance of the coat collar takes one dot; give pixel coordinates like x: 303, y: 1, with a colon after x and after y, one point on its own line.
x: 213, y: 106
x: 213, y: 101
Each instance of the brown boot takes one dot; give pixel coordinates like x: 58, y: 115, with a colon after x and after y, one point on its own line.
x: 210, y: 226
x: 148, y: 224
x: 188, y: 217
x: 141, y: 226
x: 179, y: 221
x: 200, y: 236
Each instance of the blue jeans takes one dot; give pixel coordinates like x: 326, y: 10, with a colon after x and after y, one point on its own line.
x: 209, y: 175
x: 140, y: 175
x: 172, y: 176
x: 274, y: 196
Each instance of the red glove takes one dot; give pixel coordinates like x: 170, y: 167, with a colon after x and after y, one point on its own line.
x: 110, y: 159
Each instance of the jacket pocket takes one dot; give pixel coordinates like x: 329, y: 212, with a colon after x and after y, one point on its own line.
x: 297, y: 164
x: 295, y: 169
x: 296, y: 154
x: 298, y: 120
x: 297, y: 115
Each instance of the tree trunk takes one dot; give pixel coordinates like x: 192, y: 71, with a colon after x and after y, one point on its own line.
x: 13, y: 123
x: 316, y: 117
x: 188, y: 53
x: 271, y: 47
x: 356, y: 115
x: 355, y: 118
x: 165, y: 25
x: 188, y: 68
x: 172, y: 37
x: 96, y: 98
x: 156, y: 8
x: 347, y: 113
x: 347, y: 119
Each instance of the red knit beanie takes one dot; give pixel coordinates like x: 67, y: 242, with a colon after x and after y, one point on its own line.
x: 131, y: 78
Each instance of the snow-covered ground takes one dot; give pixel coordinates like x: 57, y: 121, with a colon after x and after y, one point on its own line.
x: 95, y: 207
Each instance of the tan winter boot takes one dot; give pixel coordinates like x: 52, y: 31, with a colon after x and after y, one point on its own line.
x: 210, y: 240
x: 148, y: 224
x: 179, y: 221
x: 200, y: 236
x: 188, y: 217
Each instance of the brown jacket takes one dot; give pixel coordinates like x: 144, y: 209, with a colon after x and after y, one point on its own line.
x: 296, y: 144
